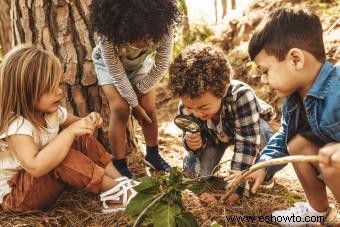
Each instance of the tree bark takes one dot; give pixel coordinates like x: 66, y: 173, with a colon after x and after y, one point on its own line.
x: 224, y: 8
x: 62, y: 26
x: 233, y: 4
x: 216, y: 11
x: 5, y: 26
x: 185, y: 20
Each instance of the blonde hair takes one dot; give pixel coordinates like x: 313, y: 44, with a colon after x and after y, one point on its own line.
x: 26, y: 73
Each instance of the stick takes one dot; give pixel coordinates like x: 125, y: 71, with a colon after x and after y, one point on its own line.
x: 273, y: 162
x: 332, y: 26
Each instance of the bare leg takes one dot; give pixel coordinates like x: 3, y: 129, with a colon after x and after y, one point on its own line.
x: 120, y: 111
x: 111, y: 171
x: 150, y: 130
x: 307, y: 173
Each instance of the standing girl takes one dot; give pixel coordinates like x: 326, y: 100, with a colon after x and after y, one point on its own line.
x: 130, y: 32
x: 36, y: 160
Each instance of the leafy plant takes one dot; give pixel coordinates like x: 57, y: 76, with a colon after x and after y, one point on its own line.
x: 159, y: 201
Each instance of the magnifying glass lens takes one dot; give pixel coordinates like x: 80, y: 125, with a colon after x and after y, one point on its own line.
x: 186, y: 124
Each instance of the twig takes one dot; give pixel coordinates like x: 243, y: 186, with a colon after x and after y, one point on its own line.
x: 332, y: 26
x: 219, y: 164
x: 273, y: 162
x: 146, y: 208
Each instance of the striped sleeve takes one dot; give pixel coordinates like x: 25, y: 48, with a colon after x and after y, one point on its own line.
x: 162, y: 61
x: 117, y: 72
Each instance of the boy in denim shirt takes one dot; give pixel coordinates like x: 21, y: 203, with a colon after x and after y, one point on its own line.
x: 288, y: 50
x: 228, y: 109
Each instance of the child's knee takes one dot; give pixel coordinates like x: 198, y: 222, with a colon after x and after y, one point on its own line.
x: 150, y: 109
x: 190, y: 166
x: 330, y: 174
x: 120, y: 112
x: 299, y: 145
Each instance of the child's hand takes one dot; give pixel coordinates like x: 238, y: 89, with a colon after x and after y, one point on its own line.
x: 232, y: 199
x: 140, y: 114
x: 257, y: 178
x: 96, y: 119
x: 330, y: 155
x: 193, y: 140
x: 83, y: 126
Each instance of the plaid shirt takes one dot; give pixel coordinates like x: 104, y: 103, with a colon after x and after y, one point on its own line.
x: 240, y: 122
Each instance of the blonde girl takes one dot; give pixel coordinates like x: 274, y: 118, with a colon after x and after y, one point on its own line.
x: 37, y: 160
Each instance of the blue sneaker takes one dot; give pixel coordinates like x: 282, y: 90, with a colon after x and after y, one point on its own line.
x: 122, y: 168
x: 156, y: 162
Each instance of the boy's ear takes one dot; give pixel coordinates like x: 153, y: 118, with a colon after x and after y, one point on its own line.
x: 296, y: 57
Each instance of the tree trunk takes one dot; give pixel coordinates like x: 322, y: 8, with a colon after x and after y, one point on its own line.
x: 185, y: 20
x: 5, y: 26
x: 62, y: 26
x: 216, y: 11
x: 224, y: 8
x: 233, y: 4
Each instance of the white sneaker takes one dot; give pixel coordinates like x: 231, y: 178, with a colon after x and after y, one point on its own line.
x: 299, y: 215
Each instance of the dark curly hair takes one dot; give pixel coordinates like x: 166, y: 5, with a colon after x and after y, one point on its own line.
x: 198, y: 69
x: 126, y: 21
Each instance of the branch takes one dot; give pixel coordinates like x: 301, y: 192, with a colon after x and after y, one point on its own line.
x: 273, y: 162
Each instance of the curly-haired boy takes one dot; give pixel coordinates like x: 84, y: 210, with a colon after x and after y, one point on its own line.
x: 229, y: 109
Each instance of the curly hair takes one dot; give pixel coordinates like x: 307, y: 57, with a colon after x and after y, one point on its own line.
x: 198, y: 69
x: 126, y: 21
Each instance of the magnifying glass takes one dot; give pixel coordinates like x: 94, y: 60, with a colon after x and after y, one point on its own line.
x: 188, y: 123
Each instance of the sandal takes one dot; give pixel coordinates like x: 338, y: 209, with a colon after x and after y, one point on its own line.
x: 124, y: 189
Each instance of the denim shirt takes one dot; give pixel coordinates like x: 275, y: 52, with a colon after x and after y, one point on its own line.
x: 322, y: 105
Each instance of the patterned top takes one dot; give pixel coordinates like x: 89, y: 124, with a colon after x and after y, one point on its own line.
x: 241, y: 111
x: 116, y: 60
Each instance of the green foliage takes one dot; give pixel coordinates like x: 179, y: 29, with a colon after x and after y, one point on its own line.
x: 198, y: 33
x: 291, y: 200
x: 215, y: 224
x: 160, y: 198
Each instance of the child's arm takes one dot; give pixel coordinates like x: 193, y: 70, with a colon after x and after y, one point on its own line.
x: 117, y: 72
x: 93, y: 116
x: 120, y: 79
x: 247, y: 133
x: 162, y: 61
x: 276, y: 148
x: 39, y: 163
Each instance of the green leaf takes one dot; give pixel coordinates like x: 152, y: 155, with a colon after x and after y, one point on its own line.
x: 139, y: 203
x: 164, y: 215
x: 175, y: 178
x: 186, y: 219
x: 148, y: 185
x: 175, y: 196
x: 147, y: 221
x: 195, y: 186
x: 215, y: 224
